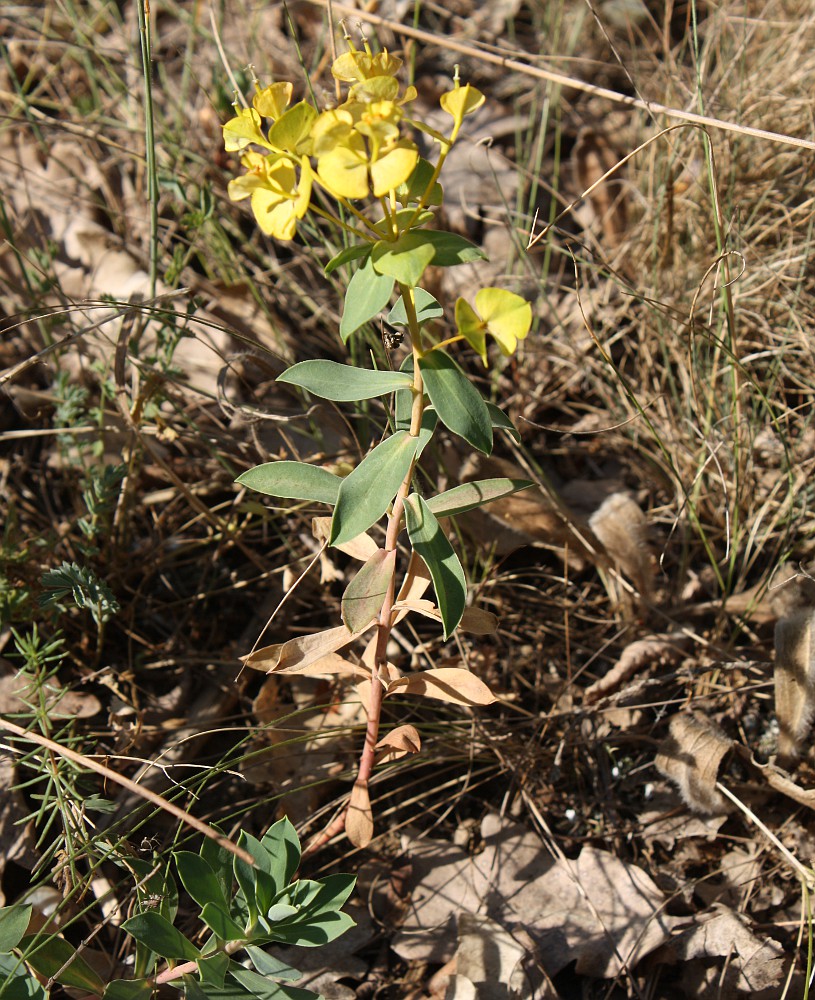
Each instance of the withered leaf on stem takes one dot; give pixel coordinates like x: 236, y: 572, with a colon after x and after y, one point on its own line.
x: 691, y: 757
x: 794, y: 681
x: 452, y: 684
x: 359, y: 823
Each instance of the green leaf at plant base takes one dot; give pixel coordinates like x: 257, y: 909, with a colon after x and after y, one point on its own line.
x: 456, y: 400
x: 363, y: 597
x: 13, y: 925
x: 292, y: 481
x: 159, y: 935
x: 267, y: 989
x: 404, y: 259
x: 283, y: 846
x: 501, y: 422
x: 471, y: 495
x: 55, y: 958
x: 16, y: 982
x: 427, y: 308
x: 199, y: 879
x: 268, y: 965
x: 430, y: 542
x: 213, y: 969
x: 366, y: 493
x: 221, y: 924
x: 346, y: 255
x: 128, y: 989
x: 368, y: 293
x: 343, y: 383
x: 315, y: 931
x: 450, y: 249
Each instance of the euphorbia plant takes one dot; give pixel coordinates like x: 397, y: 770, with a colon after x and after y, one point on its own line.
x: 362, y: 157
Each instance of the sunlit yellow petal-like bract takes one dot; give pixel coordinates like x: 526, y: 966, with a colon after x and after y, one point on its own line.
x: 273, y: 100
x: 292, y: 132
x: 243, y: 130
x: 344, y: 171
x: 394, y: 167
x: 508, y: 316
x: 461, y: 101
x: 472, y: 328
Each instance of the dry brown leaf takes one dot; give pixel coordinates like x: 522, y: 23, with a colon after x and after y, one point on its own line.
x: 362, y: 547
x: 620, y: 526
x: 794, y: 681
x: 489, y: 961
x: 359, y: 821
x: 691, y: 757
x: 597, y: 910
x: 294, y: 656
x: 399, y: 742
x: 656, y: 650
x: 752, y: 964
x: 476, y: 621
x: 451, y: 684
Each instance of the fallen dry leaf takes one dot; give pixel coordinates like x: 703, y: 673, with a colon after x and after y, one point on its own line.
x: 597, y: 910
x: 691, y: 757
x: 656, y: 650
x: 489, y: 963
x: 794, y: 681
x: 752, y: 964
x: 620, y: 526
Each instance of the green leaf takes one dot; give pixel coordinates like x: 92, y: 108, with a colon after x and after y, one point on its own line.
x: 430, y: 542
x: 268, y: 965
x: 159, y: 935
x: 13, y: 924
x: 366, y: 493
x: 343, y: 383
x: 219, y: 860
x: 404, y: 259
x: 55, y: 958
x: 456, y: 400
x: 450, y: 249
x: 128, y: 989
x: 314, y: 932
x: 214, y: 968
x: 333, y: 892
x: 292, y: 480
x: 221, y: 924
x: 400, y: 219
x: 471, y: 495
x: 283, y: 847
x: 264, y: 888
x: 364, y: 595
x: 266, y: 989
x: 502, y: 422
x: 427, y: 308
x: 16, y: 982
x: 416, y: 185
x: 368, y: 293
x: 199, y: 879
x: 347, y: 254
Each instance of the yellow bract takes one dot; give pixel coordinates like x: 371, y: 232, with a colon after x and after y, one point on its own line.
x: 353, y: 66
x: 243, y: 130
x: 505, y: 316
x: 394, y: 167
x: 273, y: 100
x: 278, y: 199
x: 461, y: 101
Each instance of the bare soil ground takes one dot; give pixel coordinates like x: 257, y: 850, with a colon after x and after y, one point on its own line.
x: 634, y: 817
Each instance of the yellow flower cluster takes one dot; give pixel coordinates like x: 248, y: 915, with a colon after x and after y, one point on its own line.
x: 352, y: 151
